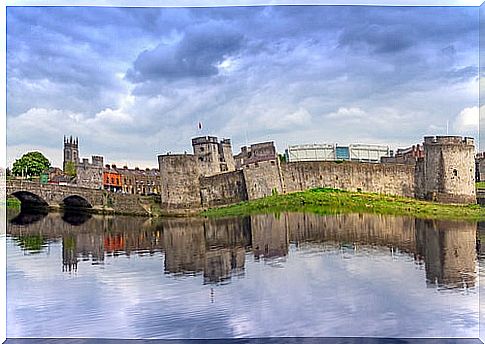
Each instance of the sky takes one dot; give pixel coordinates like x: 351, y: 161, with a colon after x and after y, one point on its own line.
x: 133, y: 83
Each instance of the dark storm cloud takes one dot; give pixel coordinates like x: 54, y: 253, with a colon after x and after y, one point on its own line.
x: 197, y: 54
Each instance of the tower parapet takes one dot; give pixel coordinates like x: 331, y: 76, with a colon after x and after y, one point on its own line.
x: 449, y: 169
x: 449, y: 140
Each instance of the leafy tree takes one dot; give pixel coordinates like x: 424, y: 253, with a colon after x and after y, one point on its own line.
x: 70, y: 169
x: 30, y: 164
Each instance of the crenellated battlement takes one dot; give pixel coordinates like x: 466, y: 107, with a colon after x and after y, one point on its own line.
x: 204, y: 140
x: 449, y: 140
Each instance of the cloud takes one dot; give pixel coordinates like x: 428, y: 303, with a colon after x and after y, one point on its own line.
x: 198, y: 54
x: 467, y: 121
x: 139, y: 80
x: 348, y: 114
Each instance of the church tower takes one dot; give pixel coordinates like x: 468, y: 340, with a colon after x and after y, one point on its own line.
x: 71, y: 151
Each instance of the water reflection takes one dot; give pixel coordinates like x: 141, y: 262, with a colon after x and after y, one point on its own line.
x: 218, y: 248
x: 25, y: 218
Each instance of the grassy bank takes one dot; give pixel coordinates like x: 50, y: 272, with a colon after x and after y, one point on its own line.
x: 327, y: 201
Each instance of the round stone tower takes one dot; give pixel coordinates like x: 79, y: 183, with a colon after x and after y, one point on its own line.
x: 449, y: 169
x: 179, y: 182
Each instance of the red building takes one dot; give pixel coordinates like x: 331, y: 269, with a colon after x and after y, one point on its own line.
x: 111, y: 179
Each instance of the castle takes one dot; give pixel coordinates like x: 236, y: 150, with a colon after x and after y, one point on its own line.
x: 212, y: 177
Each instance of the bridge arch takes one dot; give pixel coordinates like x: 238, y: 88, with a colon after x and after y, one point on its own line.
x: 76, y: 201
x: 29, y: 199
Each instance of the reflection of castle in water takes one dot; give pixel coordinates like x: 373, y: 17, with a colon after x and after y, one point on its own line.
x: 217, y: 248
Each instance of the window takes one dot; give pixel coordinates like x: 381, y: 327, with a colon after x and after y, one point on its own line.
x: 455, y: 172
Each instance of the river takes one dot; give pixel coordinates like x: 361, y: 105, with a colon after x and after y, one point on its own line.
x: 289, y: 274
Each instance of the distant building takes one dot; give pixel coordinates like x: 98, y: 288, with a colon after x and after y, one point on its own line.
x: 134, y: 181
x: 140, y: 181
x: 56, y: 176
x: 406, y: 155
x: 131, y: 180
x: 480, y: 167
x: 258, y: 152
x: 111, y: 179
x: 71, y: 151
x: 88, y: 175
x: 330, y: 152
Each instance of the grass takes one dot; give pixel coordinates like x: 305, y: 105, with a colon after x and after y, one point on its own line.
x: 328, y: 201
x: 13, y: 203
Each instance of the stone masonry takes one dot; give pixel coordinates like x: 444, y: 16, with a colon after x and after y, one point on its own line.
x: 445, y: 174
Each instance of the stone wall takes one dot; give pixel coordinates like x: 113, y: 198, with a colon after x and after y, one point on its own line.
x: 126, y: 204
x: 419, y: 188
x: 89, y: 175
x: 393, y: 179
x: 179, y: 182
x: 263, y: 179
x: 222, y: 189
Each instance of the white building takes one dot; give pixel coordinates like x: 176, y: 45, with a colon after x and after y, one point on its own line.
x: 329, y: 152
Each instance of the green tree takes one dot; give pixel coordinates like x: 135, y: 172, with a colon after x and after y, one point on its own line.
x: 30, y: 164
x: 70, y: 169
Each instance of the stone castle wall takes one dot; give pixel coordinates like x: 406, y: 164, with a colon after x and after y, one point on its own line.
x: 263, y: 179
x: 393, y: 179
x: 179, y: 182
x: 419, y: 180
x: 221, y: 189
x: 89, y: 175
x: 446, y: 174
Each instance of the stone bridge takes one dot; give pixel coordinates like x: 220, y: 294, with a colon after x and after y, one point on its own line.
x: 52, y: 196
